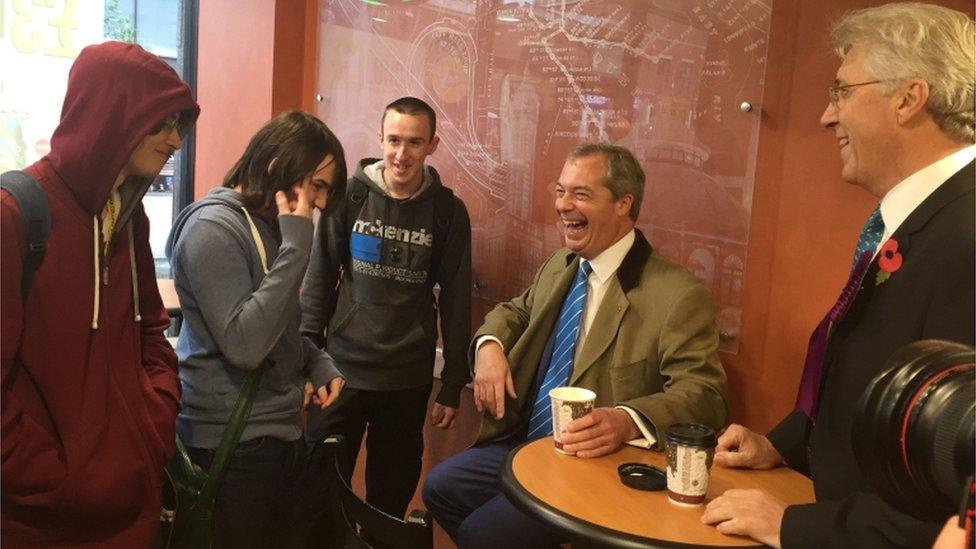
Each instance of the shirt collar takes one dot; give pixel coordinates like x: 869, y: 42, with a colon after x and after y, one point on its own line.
x: 904, y: 197
x: 609, y: 260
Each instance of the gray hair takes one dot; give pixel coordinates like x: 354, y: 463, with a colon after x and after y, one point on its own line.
x: 909, y: 40
x: 624, y: 174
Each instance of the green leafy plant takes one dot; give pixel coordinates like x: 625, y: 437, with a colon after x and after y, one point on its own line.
x: 118, y: 26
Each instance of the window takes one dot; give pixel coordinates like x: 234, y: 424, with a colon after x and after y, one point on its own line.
x: 42, y: 39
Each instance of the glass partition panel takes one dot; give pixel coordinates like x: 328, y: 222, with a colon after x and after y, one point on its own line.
x: 518, y: 84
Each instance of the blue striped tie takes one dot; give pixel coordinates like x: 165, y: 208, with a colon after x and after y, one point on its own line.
x: 870, y: 235
x: 561, y: 363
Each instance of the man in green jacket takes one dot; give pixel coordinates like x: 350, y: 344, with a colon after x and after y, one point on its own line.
x: 606, y: 313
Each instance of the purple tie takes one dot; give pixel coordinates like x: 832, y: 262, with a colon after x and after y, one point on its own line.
x: 808, y: 396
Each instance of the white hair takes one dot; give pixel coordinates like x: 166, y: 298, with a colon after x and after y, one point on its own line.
x: 913, y: 40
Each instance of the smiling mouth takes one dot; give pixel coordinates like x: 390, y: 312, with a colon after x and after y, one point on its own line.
x: 843, y: 141
x: 574, y: 226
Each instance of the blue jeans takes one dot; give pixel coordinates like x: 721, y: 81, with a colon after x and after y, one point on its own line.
x: 256, y: 499
x: 464, y: 496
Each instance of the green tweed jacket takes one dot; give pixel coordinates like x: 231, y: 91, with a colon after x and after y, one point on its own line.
x: 652, y: 346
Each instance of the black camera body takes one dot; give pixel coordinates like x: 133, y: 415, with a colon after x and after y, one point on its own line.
x: 914, y: 432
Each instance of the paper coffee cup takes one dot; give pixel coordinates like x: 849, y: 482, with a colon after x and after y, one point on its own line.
x: 568, y: 403
x: 690, y: 449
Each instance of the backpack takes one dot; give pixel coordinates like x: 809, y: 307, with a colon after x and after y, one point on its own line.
x: 36, y: 216
x: 356, y: 193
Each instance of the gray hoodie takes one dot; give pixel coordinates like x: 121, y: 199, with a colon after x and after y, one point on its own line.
x: 381, y: 313
x: 235, y: 316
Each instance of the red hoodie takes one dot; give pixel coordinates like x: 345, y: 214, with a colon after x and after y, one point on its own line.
x: 86, y: 434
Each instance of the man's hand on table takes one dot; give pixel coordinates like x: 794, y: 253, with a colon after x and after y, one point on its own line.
x: 599, y: 432
x: 739, y: 447
x: 752, y: 513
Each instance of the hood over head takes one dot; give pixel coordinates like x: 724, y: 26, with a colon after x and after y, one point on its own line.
x: 117, y: 92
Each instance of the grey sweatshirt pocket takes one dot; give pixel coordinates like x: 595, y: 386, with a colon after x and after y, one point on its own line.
x: 378, y: 334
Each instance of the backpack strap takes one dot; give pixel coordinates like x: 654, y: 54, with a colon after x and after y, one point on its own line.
x: 443, y: 218
x: 36, y: 216
x: 356, y: 192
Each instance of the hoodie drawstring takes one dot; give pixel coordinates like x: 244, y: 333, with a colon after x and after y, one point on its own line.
x: 133, y: 272
x: 95, y: 261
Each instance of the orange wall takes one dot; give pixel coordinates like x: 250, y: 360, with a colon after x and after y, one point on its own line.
x: 251, y: 65
x: 258, y: 57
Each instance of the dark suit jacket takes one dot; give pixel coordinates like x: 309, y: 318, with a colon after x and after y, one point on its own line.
x: 652, y: 345
x: 930, y: 296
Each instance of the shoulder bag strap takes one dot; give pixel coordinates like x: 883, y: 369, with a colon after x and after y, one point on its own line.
x: 242, y: 408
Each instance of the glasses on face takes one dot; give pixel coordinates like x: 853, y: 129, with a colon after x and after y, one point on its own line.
x: 836, y: 93
x: 170, y: 123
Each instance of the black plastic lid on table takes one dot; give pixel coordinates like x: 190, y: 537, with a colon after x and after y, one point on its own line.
x: 692, y: 434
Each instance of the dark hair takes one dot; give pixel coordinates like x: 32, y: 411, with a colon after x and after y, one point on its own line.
x: 413, y: 106
x: 624, y: 174
x: 297, y: 142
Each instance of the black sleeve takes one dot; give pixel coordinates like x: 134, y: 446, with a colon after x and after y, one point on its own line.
x: 454, y: 304
x: 791, y: 438
x: 859, y: 520
x: 319, y: 289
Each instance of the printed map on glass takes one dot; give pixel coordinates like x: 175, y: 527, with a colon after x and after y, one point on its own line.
x: 516, y: 85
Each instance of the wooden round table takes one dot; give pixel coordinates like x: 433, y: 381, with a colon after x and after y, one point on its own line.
x: 585, y: 500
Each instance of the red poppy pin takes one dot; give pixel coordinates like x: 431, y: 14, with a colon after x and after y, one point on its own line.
x: 889, y: 260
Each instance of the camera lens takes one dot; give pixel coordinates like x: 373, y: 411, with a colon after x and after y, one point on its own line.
x: 913, y: 433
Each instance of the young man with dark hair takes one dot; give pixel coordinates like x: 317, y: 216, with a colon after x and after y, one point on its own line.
x: 238, y: 257
x: 370, y: 291
x: 90, y: 391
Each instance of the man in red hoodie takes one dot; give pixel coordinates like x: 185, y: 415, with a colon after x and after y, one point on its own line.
x: 89, y: 387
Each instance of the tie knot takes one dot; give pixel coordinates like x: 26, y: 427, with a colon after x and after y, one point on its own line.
x: 870, y: 237
x: 875, y: 223
x: 586, y: 267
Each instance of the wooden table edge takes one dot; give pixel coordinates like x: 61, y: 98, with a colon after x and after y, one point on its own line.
x: 569, y: 525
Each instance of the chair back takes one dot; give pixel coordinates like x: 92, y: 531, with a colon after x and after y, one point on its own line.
x: 367, y: 527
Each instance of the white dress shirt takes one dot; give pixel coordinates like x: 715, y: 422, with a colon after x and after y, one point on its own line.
x: 906, y: 196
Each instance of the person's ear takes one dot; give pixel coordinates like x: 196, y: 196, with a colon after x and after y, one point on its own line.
x: 624, y: 204
x: 911, y: 100
x: 432, y: 147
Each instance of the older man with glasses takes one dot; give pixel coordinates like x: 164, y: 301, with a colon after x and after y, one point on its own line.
x: 901, y: 110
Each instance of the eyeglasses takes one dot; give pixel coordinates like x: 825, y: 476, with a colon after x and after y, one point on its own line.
x: 170, y: 123
x: 836, y: 93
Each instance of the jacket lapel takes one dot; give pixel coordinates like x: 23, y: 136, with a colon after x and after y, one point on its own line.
x: 608, y: 318
x: 559, y: 282
x: 615, y: 303
x: 960, y: 183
